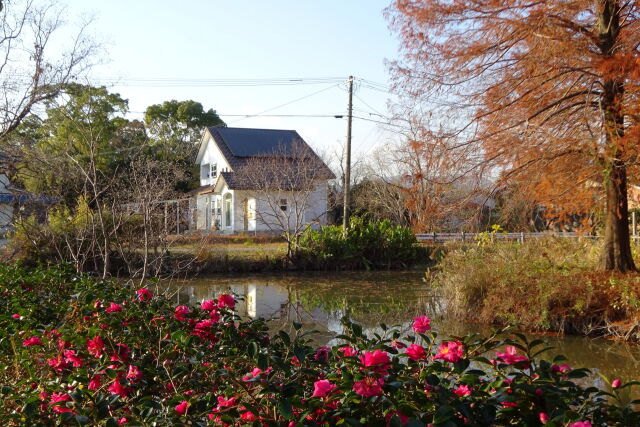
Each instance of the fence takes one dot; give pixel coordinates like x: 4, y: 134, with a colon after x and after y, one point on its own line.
x: 520, y: 237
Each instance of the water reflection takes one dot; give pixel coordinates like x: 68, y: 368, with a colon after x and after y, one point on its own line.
x: 319, y: 301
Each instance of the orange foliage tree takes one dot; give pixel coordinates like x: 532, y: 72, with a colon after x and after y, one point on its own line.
x: 547, y: 89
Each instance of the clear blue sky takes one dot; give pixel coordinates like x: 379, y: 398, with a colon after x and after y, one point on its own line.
x: 218, y: 39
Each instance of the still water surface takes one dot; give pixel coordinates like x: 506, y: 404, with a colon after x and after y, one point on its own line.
x: 320, y: 300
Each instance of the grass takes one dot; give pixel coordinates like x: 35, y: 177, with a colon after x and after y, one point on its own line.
x: 543, y: 285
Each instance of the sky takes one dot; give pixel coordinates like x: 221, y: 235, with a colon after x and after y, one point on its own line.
x: 160, y: 50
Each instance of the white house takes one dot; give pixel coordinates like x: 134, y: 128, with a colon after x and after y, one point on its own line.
x: 259, y: 180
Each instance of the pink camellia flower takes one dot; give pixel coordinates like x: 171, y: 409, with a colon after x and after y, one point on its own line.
x: 214, y: 315
x: 543, y: 417
x: 377, y: 360
x: 255, y: 372
x: 143, y: 294
x: 122, y: 421
x: 421, y: 324
x: 348, y: 351
x: 616, y: 383
x: 57, y: 401
x: 134, y: 373
x: 225, y: 403
x: 116, y: 387
x: 208, y: 305
x: 95, y: 346
x: 563, y: 369
x: 181, y: 312
x: 226, y: 300
x: 322, y: 354
x: 510, y: 356
x: 369, y: 387
x: 57, y: 363
x: 248, y: 416
x: 205, y: 324
x: 416, y: 352
x: 70, y: 356
x: 322, y: 388
x: 95, y: 383
x: 509, y: 404
x: 182, y: 407
x: 462, y: 390
x: 16, y: 316
x: 114, y: 308
x: 451, y: 351
x: 29, y: 342
x: 122, y: 353
x: 581, y: 424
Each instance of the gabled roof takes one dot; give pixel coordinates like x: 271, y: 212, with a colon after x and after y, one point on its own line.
x: 242, y: 146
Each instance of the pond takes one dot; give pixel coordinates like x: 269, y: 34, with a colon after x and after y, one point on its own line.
x: 320, y: 300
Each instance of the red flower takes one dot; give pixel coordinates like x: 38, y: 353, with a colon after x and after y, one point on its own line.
x: 322, y: 354
x: 181, y: 312
x: 416, y: 352
x: 511, y: 357
x: 122, y: 353
x: 462, y: 390
x: 58, y: 363
x: 348, y: 351
x: 403, y: 418
x: 224, y: 403
x: 134, y: 373
x: 95, y: 346
x: 451, y: 351
x: 369, y: 387
x: 32, y: 341
x: 117, y: 388
x: 70, y: 356
x: 421, y: 324
x: 113, y: 308
x: 256, y: 372
x: 95, y: 383
x: 616, y: 383
x: 16, y: 316
x: 205, y: 324
x: 208, y: 305
x: 563, y: 369
x: 226, y: 300
x: 248, y: 416
x: 182, y: 407
x: 57, y: 401
x: 544, y: 418
x: 144, y: 294
x: 322, y: 388
x: 378, y: 360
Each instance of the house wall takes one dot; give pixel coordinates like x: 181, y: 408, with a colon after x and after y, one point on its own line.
x: 212, y: 155
x: 6, y: 209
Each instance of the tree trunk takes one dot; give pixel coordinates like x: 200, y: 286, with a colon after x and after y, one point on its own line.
x: 616, y: 252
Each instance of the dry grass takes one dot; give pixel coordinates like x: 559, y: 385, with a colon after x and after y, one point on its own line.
x: 542, y: 285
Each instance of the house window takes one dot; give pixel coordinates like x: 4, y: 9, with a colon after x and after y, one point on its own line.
x: 213, y: 170
x: 283, y: 205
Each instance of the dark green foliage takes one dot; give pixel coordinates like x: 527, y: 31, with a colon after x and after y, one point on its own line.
x: 366, y: 244
x: 162, y: 365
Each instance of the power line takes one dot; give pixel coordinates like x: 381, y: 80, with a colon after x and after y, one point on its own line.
x: 288, y: 103
x: 194, y: 82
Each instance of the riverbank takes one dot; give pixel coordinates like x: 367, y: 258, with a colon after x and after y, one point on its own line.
x: 540, y: 285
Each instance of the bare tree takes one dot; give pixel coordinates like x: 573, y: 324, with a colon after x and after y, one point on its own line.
x: 29, y: 74
x: 289, y: 187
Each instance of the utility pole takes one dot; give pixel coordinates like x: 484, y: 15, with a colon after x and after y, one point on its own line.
x: 347, y: 167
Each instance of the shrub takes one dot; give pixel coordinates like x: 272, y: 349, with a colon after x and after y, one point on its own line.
x: 543, y: 284
x: 104, y: 354
x: 366, y: 244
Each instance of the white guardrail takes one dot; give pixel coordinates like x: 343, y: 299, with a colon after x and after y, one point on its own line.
x: 520, y: 237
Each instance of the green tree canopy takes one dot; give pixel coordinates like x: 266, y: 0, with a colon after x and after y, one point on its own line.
x: 179, y: 121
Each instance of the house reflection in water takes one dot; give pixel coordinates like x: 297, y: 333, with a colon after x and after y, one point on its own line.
x: 262, y: 300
